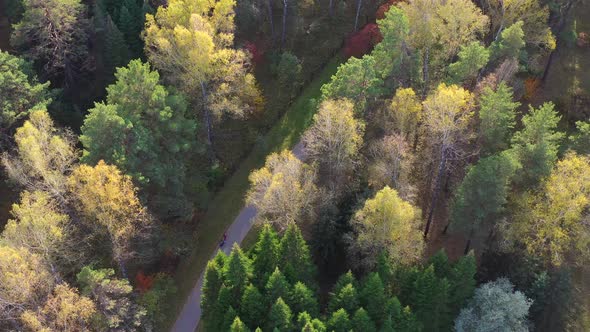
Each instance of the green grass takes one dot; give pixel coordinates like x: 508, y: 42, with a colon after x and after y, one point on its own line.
x: 227, y: 203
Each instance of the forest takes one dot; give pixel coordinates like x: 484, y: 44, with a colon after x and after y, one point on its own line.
x: 294, y: 165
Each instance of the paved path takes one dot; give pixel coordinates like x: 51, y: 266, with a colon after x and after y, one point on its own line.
x: 189, y: 317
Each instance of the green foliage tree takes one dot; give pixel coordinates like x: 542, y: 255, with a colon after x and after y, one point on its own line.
x: 389, y: 54
x: 157, y: 299
x: 482, y: 195
x: 362, y: 322
x: 237, y: 273
x: 265, y: 255
x: 580, y: 141
x: 288, y: 72
x: 279, y: 316
x: 20, y: 90
x: 497, y: 115
x: 302, y: 299
x: 430, y: 298
x: 277, y: 287
x: 212, y: 282
x: 472, y: 58
x: 116, y: 52
x: 252, y: 306
x: 511, y: 42
x: 339, y: 321
x: 373, y: 298
x: 346, y: 298
x: 356, y: 80
x: 295, y: 258
x: 537, y: 144
x: 144, y: 130
x: 238, y: 326
x: 495, y: 306
x: 130, y: 22
x: 462, y: 282
x: 54, y: 34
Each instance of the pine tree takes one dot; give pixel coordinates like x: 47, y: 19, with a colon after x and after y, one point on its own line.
x: 497, y: 115
x: 430, y: 300
x: 252, y: 306
x: 303, y: 299
x: 373, y: 298
x: 462, y: 282
x: 131, y: 23
x: 228, y: 319
x: 345, y: 279
x: 265, y: 255
x: 237, y: 272
x: 339, y: 321
x: 386, y: 271
x: 441, y: 265
x: 115, y: 53
x: 216, y: 319
x: 346, y: 298
x: 279, y: 316
x: 295, y: 259
x: 212, y: 282
x: 362, y: 322
x: 276, y: 287
x: 238, y: 326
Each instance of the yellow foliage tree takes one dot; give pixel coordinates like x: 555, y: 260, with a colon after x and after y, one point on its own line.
x: 405, y: 112
x: 65, y: 310
x: 283, y: 191
x: 108, y: 201
x: 388, y: 223
x: 555, y: 226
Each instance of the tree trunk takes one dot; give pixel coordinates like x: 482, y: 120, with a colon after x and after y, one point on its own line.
x: 207, y: 120
x: 285, y: 4
x: 358, y: 11
x: 436, y: 193
x: 270, y: 19
x: 468, y: 245
x: 425, y: 74
x: 331, y: 8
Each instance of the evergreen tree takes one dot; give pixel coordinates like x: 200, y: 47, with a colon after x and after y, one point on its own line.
x: 373, y: 298
x: 497, y: 115
x: 303, y: 299
x: 238, y: 326
x: 295, y: 258
x: 339, y: 321
x: 362, y: 322
x: 472, y: 58
x: 346, y: 298
x: 537, y: 144
x: 510, y: 43
x: 229, y: 318
x: 212, y: 282
x: 462, y: 282
x: 440, y: 262
x: 131, y: 23
x: 306, y: 323
x: 279, y: 316
x: 265, y: 255
x: 343, y: 280
x: 252, y: 306
x: 217, y: 318
x: 430, y: 301
x: 277, y: 286
x: 115, y: 52
x: 581, y: 139
x: 237, y: 273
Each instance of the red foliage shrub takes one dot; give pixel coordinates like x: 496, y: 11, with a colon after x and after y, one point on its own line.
x: 143, y: 282
x: 256, y: 51
x: 380, y: 14
x: 363, y: 41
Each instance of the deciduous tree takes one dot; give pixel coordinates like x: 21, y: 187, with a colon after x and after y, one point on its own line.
x: 472, y: 58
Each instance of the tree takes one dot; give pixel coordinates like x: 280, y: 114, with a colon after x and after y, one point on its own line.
x: 447, y: 113
x: 116, y: 52
x: 536, y: 144
x: 283, y: 191
x: 20, y: 89
x: 24, y: 282
x: 302, y: 299
x: 356, y: 80
x: 389, y: 53
x: 581, y: 139
x: 462, y: 282
x: 373, y: 297
x: 391, y: 165
x: 430, y: 299
x: 346, y: 298
x: 130, y: 21
x: 64, y: 310
x: 404, y: 113
x: 108, y: 201
x: 238, y: 326
x: 495, y: 306
x: 362, y: 322
x: 497, y: 115
x: 54, y: 34
x: 39, y: 227
x: 510, y: 43
x: 237, y: 272
x: 43, y: 158
x: 388, y: 223
x: 265, y: 255
x: 191, y: 43
x: 554, y: 227
x: 212, y: 284
x: 339, y: 321
x: 145, y: 131
x: 472, y: 58
x: 252, y: 306
x: 113, y: 299
x: 288, y: 72
x: 279, y: 316
x: 482, y: 195
x: 277, y: 287
x: 334, y: 139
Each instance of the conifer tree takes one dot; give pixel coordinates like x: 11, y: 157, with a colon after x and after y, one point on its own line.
x: 212, y: 283
x: 277, y: 286
x: 430, y: 301
x: 295, y: 258
x: 252, y: 306
x: 497, y: 115
x: 581, y: 139
x: 237, y: 273
x: 373, y: 298
x: 462, y: 282
x: 279, y: 316
x: 440, y: 262
x: 303, y: 299
x: 130, y: 23
x: 346, y: 298
x: 238, y: 326
x: 265, y: 255
x: 362, y: 322
x: 228, y: 319
x: 116, y: 53
x: 216, y: 319
x: 339, y: 321
x: 343, y: 280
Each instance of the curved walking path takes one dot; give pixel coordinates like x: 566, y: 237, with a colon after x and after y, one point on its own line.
x: 189, y: 317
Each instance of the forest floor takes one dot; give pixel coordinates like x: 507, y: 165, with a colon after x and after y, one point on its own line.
x: 230, y: 199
